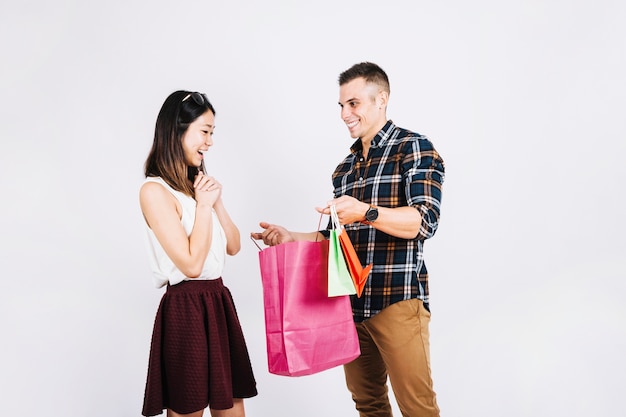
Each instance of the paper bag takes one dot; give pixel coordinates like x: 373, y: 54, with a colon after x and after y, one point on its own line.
x: 357, y: 272
x: 339, y: 279
x: 306, y: 331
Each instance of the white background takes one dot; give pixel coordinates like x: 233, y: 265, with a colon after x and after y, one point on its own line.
x: 524, y: 100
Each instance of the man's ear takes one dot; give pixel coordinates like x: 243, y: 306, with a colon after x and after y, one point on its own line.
x: 382, y: 99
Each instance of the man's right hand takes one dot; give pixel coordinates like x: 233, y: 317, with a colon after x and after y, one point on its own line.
x: 273, y: 234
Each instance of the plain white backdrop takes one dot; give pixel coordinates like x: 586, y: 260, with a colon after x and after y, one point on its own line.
x: 524, y: 100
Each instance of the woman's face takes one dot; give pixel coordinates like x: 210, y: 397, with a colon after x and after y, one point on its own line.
x: 198, y: 138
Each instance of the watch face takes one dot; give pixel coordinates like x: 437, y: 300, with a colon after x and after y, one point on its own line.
x: 372, y: 214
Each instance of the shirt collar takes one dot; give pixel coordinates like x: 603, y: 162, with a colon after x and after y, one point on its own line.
x: 378, y: 140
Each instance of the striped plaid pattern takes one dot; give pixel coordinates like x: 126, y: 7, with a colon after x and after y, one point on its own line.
x: 402, y: 169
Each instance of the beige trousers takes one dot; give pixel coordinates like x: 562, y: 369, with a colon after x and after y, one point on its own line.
x: 395, y: 344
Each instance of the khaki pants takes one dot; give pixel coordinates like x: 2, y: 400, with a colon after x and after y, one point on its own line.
x: 394, y: 343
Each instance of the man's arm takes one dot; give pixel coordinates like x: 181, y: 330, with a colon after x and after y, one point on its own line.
x: 424, y: 173
x: 274, y: 234
x: 401, y: 222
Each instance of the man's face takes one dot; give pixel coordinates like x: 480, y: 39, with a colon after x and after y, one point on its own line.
x: 362, y: 108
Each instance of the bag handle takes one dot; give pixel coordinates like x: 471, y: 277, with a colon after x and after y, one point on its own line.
x: 257, y: 245
x: 335, y: 219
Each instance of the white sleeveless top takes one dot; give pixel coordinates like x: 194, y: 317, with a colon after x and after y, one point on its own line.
x: 163, y: 269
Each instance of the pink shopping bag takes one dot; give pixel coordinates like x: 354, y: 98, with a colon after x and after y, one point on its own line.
x: 306, y: 331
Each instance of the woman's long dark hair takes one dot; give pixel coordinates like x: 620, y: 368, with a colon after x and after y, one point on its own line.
x: 166, y: 158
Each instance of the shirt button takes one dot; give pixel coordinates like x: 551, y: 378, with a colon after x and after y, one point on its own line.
x: 360, y: 178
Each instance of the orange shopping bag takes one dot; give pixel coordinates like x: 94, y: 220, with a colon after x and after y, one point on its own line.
x: 357, y: 272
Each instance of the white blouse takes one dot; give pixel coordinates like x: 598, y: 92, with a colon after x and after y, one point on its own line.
x: 163, y: 269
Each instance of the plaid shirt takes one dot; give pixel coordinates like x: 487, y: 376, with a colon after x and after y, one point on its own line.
x: 402, y: 169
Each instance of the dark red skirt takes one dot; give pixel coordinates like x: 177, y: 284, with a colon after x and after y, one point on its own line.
x: 198, y: 355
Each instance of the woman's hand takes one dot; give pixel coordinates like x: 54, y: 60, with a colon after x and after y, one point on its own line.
x: 208, y: 190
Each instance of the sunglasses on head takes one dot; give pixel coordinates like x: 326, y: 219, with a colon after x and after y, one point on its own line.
x: 199, y: 99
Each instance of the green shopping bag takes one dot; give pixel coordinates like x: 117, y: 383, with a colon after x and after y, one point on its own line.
x: 339, y: 279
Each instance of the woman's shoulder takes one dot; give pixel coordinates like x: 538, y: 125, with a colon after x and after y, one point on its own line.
x: 157, y: 198
x: 152, y: 185
x: 154, y: 188
x: 149, y: 181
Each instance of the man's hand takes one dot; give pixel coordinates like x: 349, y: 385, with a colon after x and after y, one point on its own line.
x: 273, y: 234
x: 349, y: 209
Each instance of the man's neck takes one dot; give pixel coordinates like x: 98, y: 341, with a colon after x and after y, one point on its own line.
x: 366, y: 142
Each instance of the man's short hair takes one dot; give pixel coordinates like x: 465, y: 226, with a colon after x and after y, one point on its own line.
x: 368, y: 70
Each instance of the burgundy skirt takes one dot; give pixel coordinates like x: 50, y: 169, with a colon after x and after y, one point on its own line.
x: 198, y: 355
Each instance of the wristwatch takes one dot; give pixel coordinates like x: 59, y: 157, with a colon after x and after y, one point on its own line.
x: 371, y: 214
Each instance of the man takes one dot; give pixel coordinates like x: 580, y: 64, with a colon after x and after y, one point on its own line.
x: 387, y: 194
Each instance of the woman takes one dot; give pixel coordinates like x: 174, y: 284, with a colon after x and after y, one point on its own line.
x: 198, y: 355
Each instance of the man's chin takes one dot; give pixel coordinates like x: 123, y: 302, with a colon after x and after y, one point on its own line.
x: 353, y: 135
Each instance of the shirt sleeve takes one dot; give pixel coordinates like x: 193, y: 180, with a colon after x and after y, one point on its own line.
x: 424, y: 173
